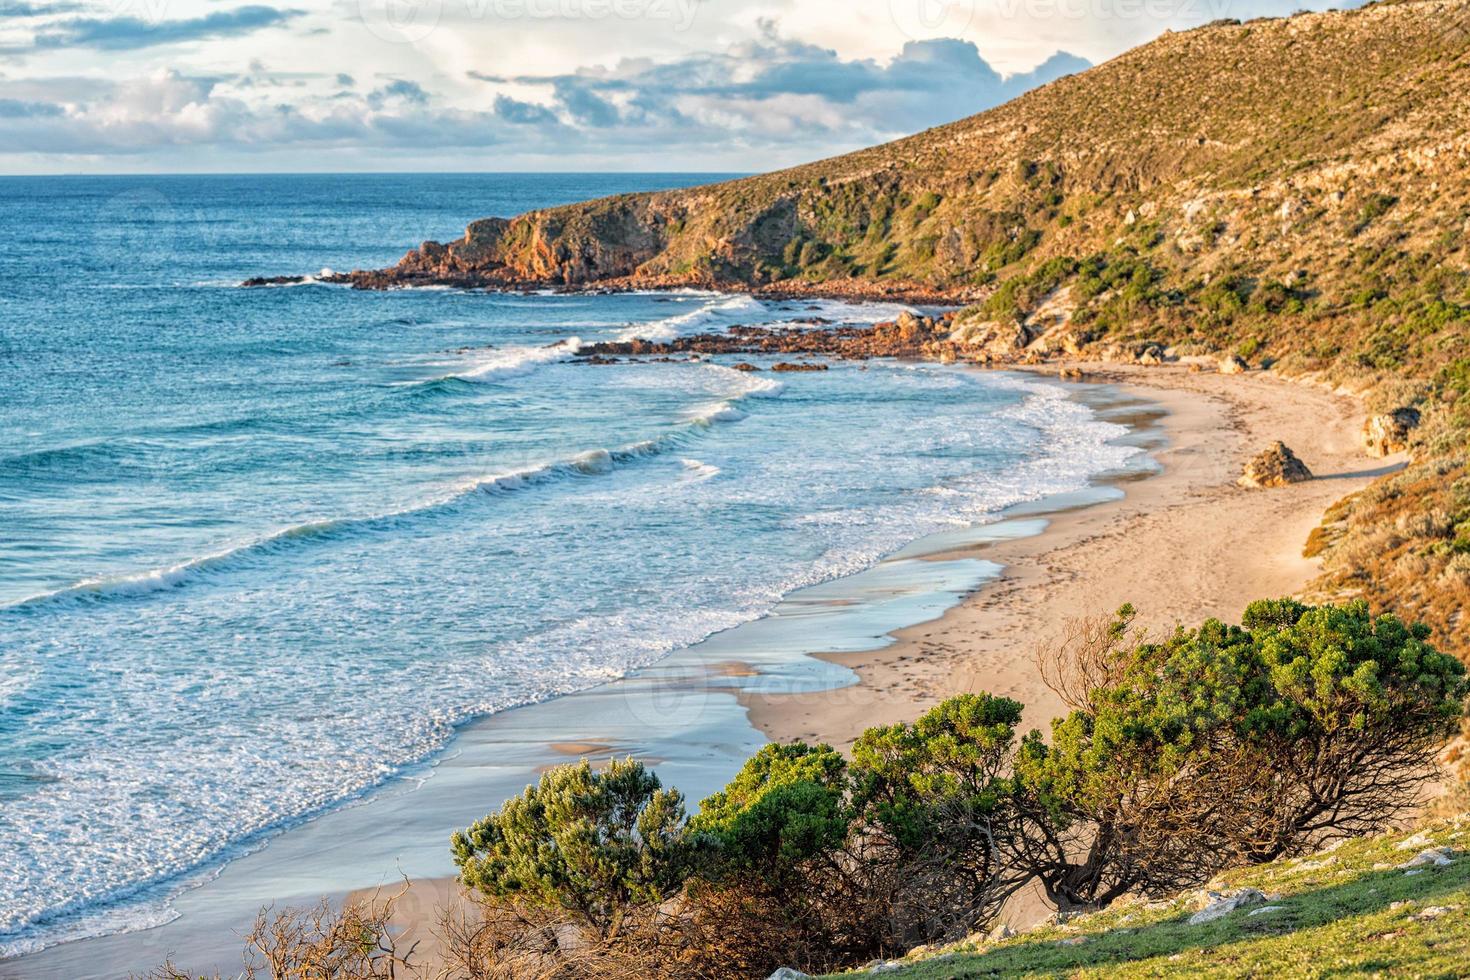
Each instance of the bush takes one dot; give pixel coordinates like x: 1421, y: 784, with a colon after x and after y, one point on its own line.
x: 787, y: 804
x: 935, y: 802
x: 1227, y: 745
x: 1180, y: 755
x: 1354, y: 709
x: 595, y: 844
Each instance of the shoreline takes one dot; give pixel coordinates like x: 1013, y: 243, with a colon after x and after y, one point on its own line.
x: 699, y: 713
x: 1183, y: 545
x: 681, y: 714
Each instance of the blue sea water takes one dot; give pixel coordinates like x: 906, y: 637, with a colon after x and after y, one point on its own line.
x: 262, y: 549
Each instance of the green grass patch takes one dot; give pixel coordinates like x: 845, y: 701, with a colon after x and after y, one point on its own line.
x: 1349, y: 912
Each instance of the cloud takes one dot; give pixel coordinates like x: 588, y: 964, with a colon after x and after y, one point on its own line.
x: 770, y: 100
x: 127, y: 33
x: 781, y: 86
x: 523, y: 113
x: 20, y: 109
x: 20, y: 8
x: 398, y: 90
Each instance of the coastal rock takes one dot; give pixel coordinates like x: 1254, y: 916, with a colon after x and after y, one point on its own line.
x: 1435, y: 857
x: 911, y: 326
x: 744, y: 366
x: 1231, y: 364
x: 1222, y: 905
x: 1276, y: 467
x: 1386, y: 434
x: 990, y: 336
x: 789, y: 366
x: 1139, y: 353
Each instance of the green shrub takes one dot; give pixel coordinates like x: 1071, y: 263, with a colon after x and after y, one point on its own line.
x: 919, y: 782
x: 787, y: 805
x: 595, y: 844
x: 1226, y: 745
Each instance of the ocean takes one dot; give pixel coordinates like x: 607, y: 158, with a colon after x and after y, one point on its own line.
x: 261, y: 550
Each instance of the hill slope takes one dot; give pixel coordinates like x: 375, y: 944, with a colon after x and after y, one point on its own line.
x: 1352, y: 911
x: 1232, y: 145
x: 1294, y: 190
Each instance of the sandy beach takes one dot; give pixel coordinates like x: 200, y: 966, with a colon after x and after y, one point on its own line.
x: 1183, y: 545
x: 1182, y: 542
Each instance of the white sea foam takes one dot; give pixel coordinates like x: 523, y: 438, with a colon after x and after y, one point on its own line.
x: 719, y: 308
x: 595, y: 462
x: 718, y: 412
x: 697, y: 470
x: 510, y: 362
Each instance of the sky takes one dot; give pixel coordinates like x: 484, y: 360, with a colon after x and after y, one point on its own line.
x: 134, y: 86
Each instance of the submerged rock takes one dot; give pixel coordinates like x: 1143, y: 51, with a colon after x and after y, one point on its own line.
x: 1386, y: 434
x: 790, y: 366
x: 1276, y: 467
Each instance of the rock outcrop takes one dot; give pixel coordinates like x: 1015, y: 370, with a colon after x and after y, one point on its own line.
x: 993, y: 337
x: 1231, y: 364
x: 1139, y: 157
x: 1386, y: 434
x: 1276, y: 467
x: 1222, y: 905
x: 911, y: 335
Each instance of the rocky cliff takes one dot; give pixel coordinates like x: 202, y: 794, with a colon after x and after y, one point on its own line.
x: 1274, y: 150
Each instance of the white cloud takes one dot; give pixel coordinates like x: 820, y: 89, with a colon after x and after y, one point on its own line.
x: 745, y: 84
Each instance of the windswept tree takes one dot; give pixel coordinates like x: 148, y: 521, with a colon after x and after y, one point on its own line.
x: 1137, y: 789
x: 595, y: 845
x: 1225, y: 745
x: 1353, y: 711
x: 936, y: 802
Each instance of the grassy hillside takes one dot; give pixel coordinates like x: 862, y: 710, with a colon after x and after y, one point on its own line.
x: 1350, y: 911
x: 1295, y: 191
